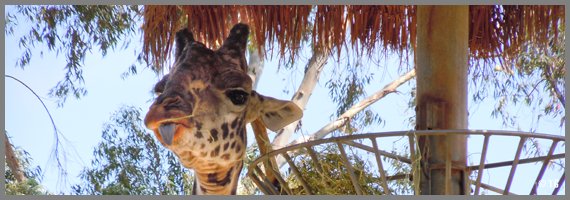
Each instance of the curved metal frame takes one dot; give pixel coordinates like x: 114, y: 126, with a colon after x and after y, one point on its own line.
x: 256, y: 174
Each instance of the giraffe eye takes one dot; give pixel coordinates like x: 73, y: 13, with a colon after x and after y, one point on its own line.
x: 238, y: 97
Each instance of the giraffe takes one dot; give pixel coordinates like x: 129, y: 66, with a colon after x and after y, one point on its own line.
x: 203, y: 106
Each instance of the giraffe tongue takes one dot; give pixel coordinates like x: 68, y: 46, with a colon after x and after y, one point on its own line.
x: 167, y: 132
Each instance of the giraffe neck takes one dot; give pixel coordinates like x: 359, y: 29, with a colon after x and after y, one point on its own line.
x: 217, y: 180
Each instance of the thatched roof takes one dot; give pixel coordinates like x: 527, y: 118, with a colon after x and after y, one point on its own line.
x: 495, y: 31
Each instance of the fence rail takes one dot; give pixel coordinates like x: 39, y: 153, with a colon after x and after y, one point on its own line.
x: 256, y: 173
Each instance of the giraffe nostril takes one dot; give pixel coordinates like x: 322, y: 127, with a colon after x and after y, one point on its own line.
x: 174, y: 100
x: 170, y: 102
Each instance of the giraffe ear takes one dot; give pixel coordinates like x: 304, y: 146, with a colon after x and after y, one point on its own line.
x: 183, y: 38
x: 233, y: 48
x: 276, y: 113
x: 237, y: 40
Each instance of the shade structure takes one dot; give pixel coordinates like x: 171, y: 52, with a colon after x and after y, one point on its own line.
x: 495, y: 31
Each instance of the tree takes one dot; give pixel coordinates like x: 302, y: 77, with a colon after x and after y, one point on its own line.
x: 533, y: 75
x: 73, y: 31
x: 30, y: 183
x: 13, y: 161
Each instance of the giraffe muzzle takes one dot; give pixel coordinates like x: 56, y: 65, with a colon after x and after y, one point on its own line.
x: 167, y: 132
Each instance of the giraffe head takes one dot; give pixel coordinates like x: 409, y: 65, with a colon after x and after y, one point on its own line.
x: 206, y: 100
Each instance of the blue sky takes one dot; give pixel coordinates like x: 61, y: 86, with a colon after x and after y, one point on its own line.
x: 81, y: 121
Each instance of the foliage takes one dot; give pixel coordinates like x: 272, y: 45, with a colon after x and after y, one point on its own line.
x: 58, y: 150
x: 330, y: 175
x: 404, y: 185
x: 75, y: 31
x: 122, y: 164
x: 130, y: 161
x: 346, y: 88
x: 33, y: 174
x: 246, y: 185
x: 29, y: 187
x: 535, y: 79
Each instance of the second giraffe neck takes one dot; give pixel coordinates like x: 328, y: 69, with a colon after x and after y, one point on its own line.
x: 217, y: 180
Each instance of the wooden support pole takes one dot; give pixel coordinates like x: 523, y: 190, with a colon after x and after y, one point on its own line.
x: 441, y: 66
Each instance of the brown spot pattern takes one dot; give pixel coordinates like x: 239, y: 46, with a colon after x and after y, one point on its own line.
x: 225, y: 130
x: 214, y: 134
x: 215, y: 152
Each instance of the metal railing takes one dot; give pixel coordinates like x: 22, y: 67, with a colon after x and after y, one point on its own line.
x: 257, y: 175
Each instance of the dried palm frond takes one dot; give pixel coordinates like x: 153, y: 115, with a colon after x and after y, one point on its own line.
x: 496, y: 31
x: 160, y: 26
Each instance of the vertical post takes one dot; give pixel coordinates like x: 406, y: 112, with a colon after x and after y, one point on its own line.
x: 441, y: 66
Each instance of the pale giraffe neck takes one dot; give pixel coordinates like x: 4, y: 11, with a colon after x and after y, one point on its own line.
x: 217, y: 181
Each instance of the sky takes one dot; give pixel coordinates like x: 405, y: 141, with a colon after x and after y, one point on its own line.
x: 81, y: 121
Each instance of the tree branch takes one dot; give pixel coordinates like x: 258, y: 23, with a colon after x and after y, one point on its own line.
x: 301, y: 97
x: 255, y: 65
x: 56, y: 151
x: 341, y: 120
x: 12, y: 160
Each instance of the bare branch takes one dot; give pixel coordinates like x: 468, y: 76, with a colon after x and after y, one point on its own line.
x: 301, y: 97
x: 56, y: 152
x: 341, y: 120
x: 255, y: 64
